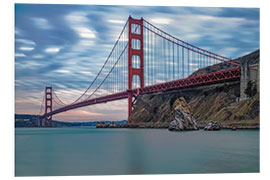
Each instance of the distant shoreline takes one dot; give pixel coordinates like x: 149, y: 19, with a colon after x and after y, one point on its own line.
x: 149, y: 126
x: 223, y: 128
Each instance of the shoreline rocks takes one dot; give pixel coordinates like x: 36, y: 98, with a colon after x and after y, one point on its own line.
x: 166, y: 126
x: 212, y: 126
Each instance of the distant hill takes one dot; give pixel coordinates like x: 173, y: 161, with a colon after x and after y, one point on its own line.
x: 25, y: 116
x: 29, y: 120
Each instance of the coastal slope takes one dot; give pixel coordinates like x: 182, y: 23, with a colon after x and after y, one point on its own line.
x: 220, y: 103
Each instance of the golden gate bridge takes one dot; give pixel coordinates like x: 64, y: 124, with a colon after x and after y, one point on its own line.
x: 144, y: 60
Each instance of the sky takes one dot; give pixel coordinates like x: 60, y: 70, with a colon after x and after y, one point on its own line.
x: 66, y: 45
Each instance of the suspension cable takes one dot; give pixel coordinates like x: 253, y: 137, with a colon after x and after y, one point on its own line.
x: 196, y: 49
x: 103, y: 64
x: 109, y: 72
x: 57, y: 103
x: 99, y: 71
x: 111, y: 68
x: 64, y: 104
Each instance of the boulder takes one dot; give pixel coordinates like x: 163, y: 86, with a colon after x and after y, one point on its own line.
x: 183, y: 119
x: 212, y: 126
x: 234, y: 128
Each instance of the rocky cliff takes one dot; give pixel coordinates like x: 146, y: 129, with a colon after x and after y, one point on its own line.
x: 217, y: 102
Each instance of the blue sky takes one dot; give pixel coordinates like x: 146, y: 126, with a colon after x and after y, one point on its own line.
x: 66, y: 45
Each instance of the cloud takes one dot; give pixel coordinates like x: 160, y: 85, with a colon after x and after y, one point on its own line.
x: 17, y: 31
x: 25, y: 41
x: 19, y: 55
x: 85, y: 32
x: 87, y: 72
x: 114, y: 21
x: 64, y: 71
x: 79, y: 22
x: 77, y: 17
x: 161, y: 20
x: 26, y: 48
x: 229, y: 51
x: 38, y: 56
x: 52, y: 50
x: 41, y: 23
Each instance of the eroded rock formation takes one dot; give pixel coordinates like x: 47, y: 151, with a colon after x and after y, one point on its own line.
x: 183, y: 119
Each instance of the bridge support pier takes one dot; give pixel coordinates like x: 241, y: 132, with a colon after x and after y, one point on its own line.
x: 132, y: 97
x: 135, y: 52
x: 48, y: 107
x: 130, y: 105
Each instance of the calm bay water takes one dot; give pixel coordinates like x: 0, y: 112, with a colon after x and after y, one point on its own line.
x: 90, y: 151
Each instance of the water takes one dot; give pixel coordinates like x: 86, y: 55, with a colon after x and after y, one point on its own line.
x: 90, y: 151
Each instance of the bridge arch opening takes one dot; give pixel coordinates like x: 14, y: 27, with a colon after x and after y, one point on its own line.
x: 136, y: 61
x: 135, y: 28
x: 136, y: 81
x: 136, y: 44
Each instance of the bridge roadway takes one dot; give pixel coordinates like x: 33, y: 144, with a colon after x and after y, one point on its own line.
x: 193, y: 81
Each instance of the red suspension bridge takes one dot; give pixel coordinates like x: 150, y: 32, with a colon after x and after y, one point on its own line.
x: 144, y: 59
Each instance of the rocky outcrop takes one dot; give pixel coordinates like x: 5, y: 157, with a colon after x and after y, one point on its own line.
x: 212, y: 126
x: 183, y: 119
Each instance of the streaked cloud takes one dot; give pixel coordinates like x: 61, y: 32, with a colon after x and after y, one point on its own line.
x: 85, y: 42
x: 38, y: 56
x: 26, y: 48
x: 64, y: 71
x: 114, y: 21
x: 25, y: 41
x: 85, y: 32
x: 41, y: 23
x: 77, y: 17
x: 19, y: 55
x: 52, y: 50
x: 161, y: 20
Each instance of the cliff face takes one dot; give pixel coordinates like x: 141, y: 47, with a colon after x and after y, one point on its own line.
x: 217, y: 102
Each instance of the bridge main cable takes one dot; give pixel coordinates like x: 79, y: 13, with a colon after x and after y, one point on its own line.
x: 115, y: 45
x: 103, y: 64
x: 109, y: 72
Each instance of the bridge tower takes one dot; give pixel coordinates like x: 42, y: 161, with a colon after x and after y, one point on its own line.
x: 48, y: 106
x: 134, y: 53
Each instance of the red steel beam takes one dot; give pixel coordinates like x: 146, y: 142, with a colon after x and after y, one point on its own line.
x: 195, y: 81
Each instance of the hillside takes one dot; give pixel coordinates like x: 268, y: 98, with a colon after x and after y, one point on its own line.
x: 217, y: 102
x: 29, y: 120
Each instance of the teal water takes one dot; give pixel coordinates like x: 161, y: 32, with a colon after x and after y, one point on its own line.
x: 90, y: 151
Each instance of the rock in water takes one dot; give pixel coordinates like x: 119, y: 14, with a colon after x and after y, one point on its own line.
x: 212, y: 126
x: 183, y: 119
x: 234, y: 128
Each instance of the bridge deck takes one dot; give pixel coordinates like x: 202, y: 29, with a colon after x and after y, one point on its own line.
x: 200, y: 80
